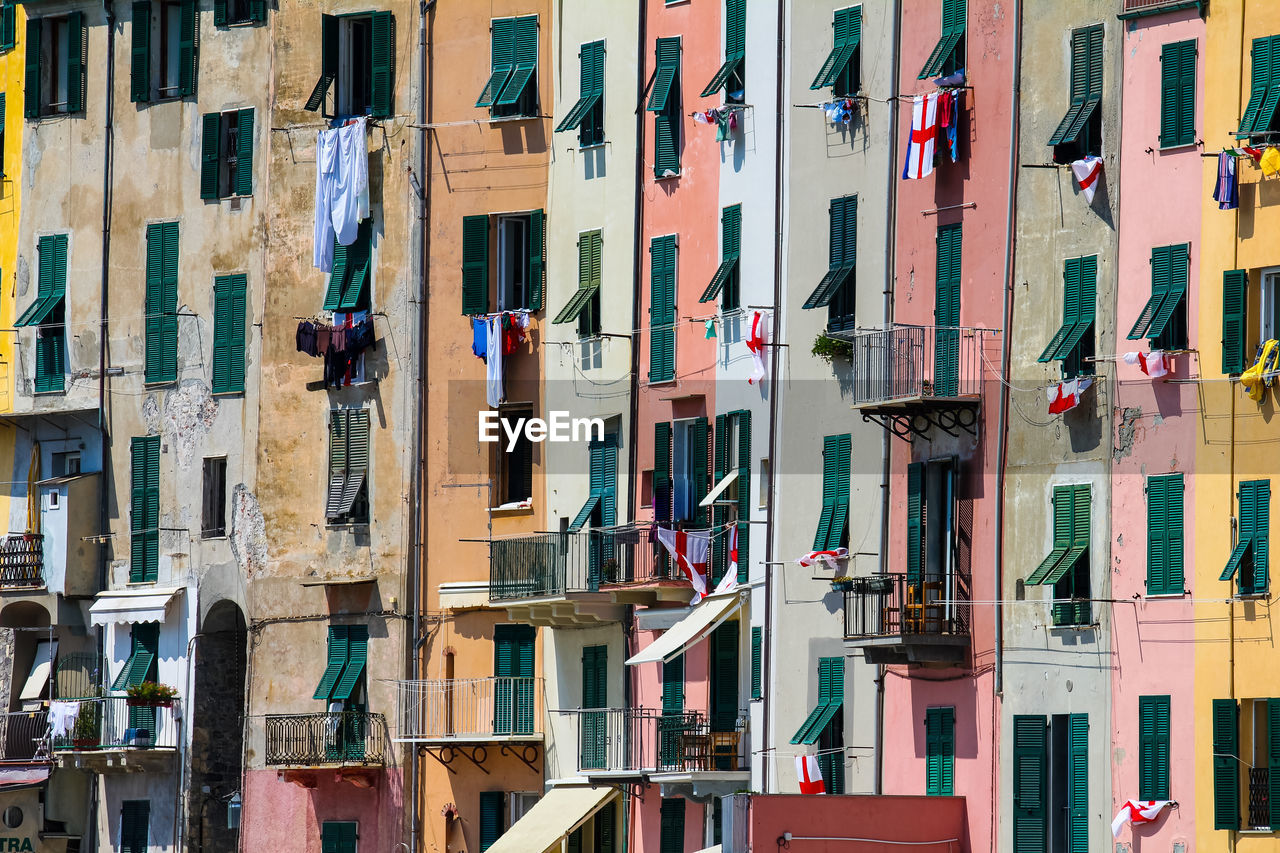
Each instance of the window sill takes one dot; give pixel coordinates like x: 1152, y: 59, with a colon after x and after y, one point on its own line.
x: 671, y: 177
x: 232, y: 25
x: 1163, y: 148
x: 220, y: 536
x: 512, y: 509
x: 353, y: 526
x: 1253, y: 596
x: 62, y: 392
x: 509, y: 119
x: 593, y: 146
x: 1167, y: 595
x: 1092, y: 626
x: 138, y: 584
x: 159, y: 383
x: 239, y: 393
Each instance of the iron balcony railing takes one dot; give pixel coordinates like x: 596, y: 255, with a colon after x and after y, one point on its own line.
x: 905, y: 363
x: 550, y: 564
x: 24, y: 736
x: 113, y: 723
x: 22, y: 560
x: 313, y: 740
x: 648, y: 740
x: 892, y: 605
x: 1138, y: 8
x: 469, y: 709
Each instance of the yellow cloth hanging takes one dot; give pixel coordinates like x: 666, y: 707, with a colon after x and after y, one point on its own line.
x: 1270, y: 162
x: 33, y: 494
x: 1255, y: 379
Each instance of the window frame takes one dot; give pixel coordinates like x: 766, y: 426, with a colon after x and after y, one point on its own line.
x: 502, y: 460
x: 48, y: 314
x: 1178, y: 81
x: 55, y: 82
x: 1268, y: 292
x: 837, y: 291
x: 1074, y: 342
x: 1068, y: 564
x: 948, y: 55
x: 666, y: 102
x: 1153, y: 747
x: 335, y: 61
x: 587, y: 113
x: 833, y: 522
x: 1252, y: 548
x: 513, y: 64
x: 1165, y: 494
x: 842, y: 69
x: 226, y: 169
x: 213, y: 508
x: 360, y: 511
x: 1079, y: 134
x: 1261, y: 119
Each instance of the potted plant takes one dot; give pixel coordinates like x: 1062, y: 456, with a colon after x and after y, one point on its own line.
x: 84, y: 734
x: 149, y: 694
x: 842, y: 584
x: 828, y: 348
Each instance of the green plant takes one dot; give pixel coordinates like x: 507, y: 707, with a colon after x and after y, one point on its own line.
x: 86, y: 726
x: 828, y: 348
x: 843, y: 579
x: 150, y: 691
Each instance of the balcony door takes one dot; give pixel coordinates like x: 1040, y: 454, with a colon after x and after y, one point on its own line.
x: 946, y: 314
x: 594, y: 749
x: 513, y: 688
x: 931, y: 545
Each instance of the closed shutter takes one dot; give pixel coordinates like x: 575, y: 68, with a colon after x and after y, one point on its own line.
x: 8, y: 24
x: 940, y: 752
x: 1273, y: 761
x: 31, y: 84
x: 662, y: 309
x: 724, y: 678
x: 671, y: 832
x: 135, y: 825
x: 140, y: 52
x: 1153, y: 747
x: 144, y: 509
x: 219, y: 13
x: 1078, y: 783
x: 1030, y: 808
x: 606, y: 827
x: 946, y: 356
x: 842, y: 251
x: 228, y: 334
x: 1226, y: 772
x: 593, y: 750
x: 513, y: 664
x: 244, y: 152
x: 1164, y: 535
x: 537, y: 259
x: 1177, y: 94
x: 491, y: 823
x: 835, y: 492
x: 1235, y: 284
x: 210, y: 154
x: 673, y: 685
x: 915, y: 522
x: 573, y: 844
x: 662, y: 471
x: 757, y: 662
x: 743, y: 482
x: 162, y: 302
x: 699, y: 450
x: 475, y: 264
x: 188, y: 47
x: 338, y: 836
x: 77, y: 60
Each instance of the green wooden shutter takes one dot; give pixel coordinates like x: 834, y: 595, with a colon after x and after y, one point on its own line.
x: 337, y: 660
x: 244, y: 152
x: 357, y: 659
x: 719, y: 468
x: 1273, y: 760
x: 144, y: 508
x: 31, y: 84
x: 1260, y: 84
x: 671, y: 825
x: 257, y: 10
x: 491, y: 803
x: 915, y: 522
x: 1153, y: 747
x: 946, y: 355
x: 605, y: 824
x: 723, y: 702
x: 328, y: 62
x: 210, y: 154
x: 757, y: 662
x: 338, y: 836
x: 1164, y: 535
x: 1261, y: 535
x: 188, y: 47
x: 666, y: 101
x: 162, y: 302
x: 135, y: 825
x: 1078, y: 783
x: 383, y: 65
x: 595, y: 694
x: 219, y: 13
x: 140, y: 52
x: 228, y: 334
x: 77, y: 60
x: 673, y: 685
x: 1030, y: 806
x: 662, y: 471
x: 8, y: 24
x: 475, y: 264
x: 699, y: 450
x: 1177, y: 94
x: 840, y: 517
x: 1226, y: 771
x: 940, y: 751
x: 574, y: 841
x: 1235, y: 285
x: 662, y: 309
x: 537, y: 259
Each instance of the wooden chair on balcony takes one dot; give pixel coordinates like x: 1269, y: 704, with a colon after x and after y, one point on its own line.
x: 923, y: 611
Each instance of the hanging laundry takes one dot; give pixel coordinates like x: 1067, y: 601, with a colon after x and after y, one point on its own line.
x: 1155, y: 363
x: 62, y: 718
x: 809, y: 775
x: 306, y: 337
x: 342, y: 189
x: 756, y: 342
x: 479, y: 337
x: 956, y: 79
x: 494, y: 394
x: 689, y: 549
x: 1227, y: 191
x: 729, y: 582
x: 1065, y: 396
x: 1262, y: 372
x: 723, y: 119
x: 1255, y: 153
x: 711, y: 328
x: 704, y: 117
x: 1137, y: 812
x: 1270, y: 162
x: 1087, y: 172
x: 515, y: 330
x: 921, y: 137
x: 829, y: 557
x: 953, y: 127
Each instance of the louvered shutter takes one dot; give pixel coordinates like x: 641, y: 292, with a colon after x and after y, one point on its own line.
x: 383, y: 65
x: 723, y: 703
x: 188, y: 47
x: 662, y: 472
x: 757, y: 662
x: 357, y: 658
x: 31, y: 83
x: 210, y: 154
x: 144, y: 510
x: 162, y: 302
x: 915, y: 522
x: 140, y: 52
x: 830, y: 491
x: 1234, y: 289
x: 336, y: 661
x: 1153, y: 747
x: 491, y: 803
x: 1260, y: 84
x: 475, y: 264
x: 671, y: 825
x: 537, y: 259
x: 1226, y: 772
x: 1273, y: 760
x: 257, y: 10
x: 666, y: 102
x: 1030, y: 805
x: 228, y: 334
x: 939, y: 751
x: 662, y: 310
x: 244, y: 152
x: 673, y: 685
x: 8, y: 24
x: 219, y: 13
x: 946, y: 364
x: 595, y: 694
x: 328, y: 62
x: 605, y: 823
x: 1261, y: 535
x: 135, y: 820
x: 1078, y: 783
x: 699, y: 450
x: 719, y: 468
x: 77, y: 60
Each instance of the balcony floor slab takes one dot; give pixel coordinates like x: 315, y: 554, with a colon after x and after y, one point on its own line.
x: 124, y: 760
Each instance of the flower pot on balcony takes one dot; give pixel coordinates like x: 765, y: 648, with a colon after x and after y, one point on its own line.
x: 841, y: 585
x: 84, y: 742
x: 133, y: 702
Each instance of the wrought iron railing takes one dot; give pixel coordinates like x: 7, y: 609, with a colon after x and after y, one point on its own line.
x: 919, y: 362
x: 114, y: 723
x: 1259, y: 798
x: 469, y: 709
x: 548, y: 564
x: 22, y: 560
x: 890, y: 605
x: 24, y: 736
x: 648, y: 740
x: 1135, y: 8
x: 311, y: 740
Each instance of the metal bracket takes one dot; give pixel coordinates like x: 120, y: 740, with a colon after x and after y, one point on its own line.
x: 446, y: 755
x: 907, y: 423
x: 523, y: 755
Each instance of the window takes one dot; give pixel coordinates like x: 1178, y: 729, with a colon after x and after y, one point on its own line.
x: 65, y: 464
x: 135, y: 819
x: 665, y: 101
x: 144, y: 509
x: 1153, y: 747
x: 1264, y: 91
x: 343, y: 679
x: 357, y: 61
x: 587, y: 114
x: 940, y: 751
x: 836, y: 290
x: 1164, y: 537
x: 231, y: 12
x: 732, y: 74
x: 825, y: 724
x: 603, y: 831
x: 584, y: 305
x: 226, y: 154
x: 521, y: 802
x: 57, y: 54
x: 595, y: 694
x: 48, y: 314
x: 757, y: 663
x: 8, y: 25
x: 1243, y: 755
x: 347, y: 501
x: 513, y: 709
x: 946, y: 312
x: 521, y: 268
x: 600, y: 509
x: 723, y: 708
x: 1250, y: 556
x: 1235, y: 286
x: 1051, y: 783
x: 689, y: 447
x: 348, y: 288
x: 163, y: 56
x: 144, y: 643
x: 1164, y: 317
x: 731, y: 473
x: 836, y: 451
x: 1178, y: 94
x: 1269, y: 306
x: 842, y: 68
x: 228, y: 334
x: 214, y: 505
x: 512, y: 88
x: 931, y: 542
x: 2, y: 115
x: 662, y: 309
x: 339, y: 836
x: 766, y: 484
x: 726, y: 278
x: 948, y: 54
x: 1074, y: 342
x: 671, y: 727
x: 162, y: 303
x: 515, y: 466
x: 1067, y: 566
x: 492, y: 806
x: 1080, y: 131
x: 671, y: 832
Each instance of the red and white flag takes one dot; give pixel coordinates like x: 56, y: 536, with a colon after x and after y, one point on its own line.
x: 729, y: 582
x: 1088, y: 172
x: 1065, y: 396
x: 1155, y: 363
x: 689, y: 550
x: 809, y: 774
x: 757, y: 342
x: 920, y: 141
x: 1137, y: 812
x: 828, y: 557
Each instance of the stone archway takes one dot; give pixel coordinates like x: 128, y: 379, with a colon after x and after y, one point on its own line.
x: 23, y: 625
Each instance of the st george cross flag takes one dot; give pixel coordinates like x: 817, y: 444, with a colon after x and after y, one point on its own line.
x: 809, y: 774
x: 1065, y: 396
x: 689, y: 550
x: 1155, y: 363
x: 729, y: 582
x: 1087, y: 171
x: 757, y: 341
x: 1137, y: 812
x: 828, y: 557
x: 920, y: 140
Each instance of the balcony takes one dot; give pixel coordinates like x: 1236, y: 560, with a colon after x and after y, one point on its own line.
x: 22, y: 561
x: 111, y: 736
x: 910, y: 379
x: 567, y: 579
x: 896, y: 619
x: 1142, y: 8
x: 325, y: 739
x: 24, y: 736
x: 470, y: 710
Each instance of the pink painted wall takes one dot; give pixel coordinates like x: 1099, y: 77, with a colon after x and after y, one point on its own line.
x: 285, y: 817
x: 892, y: 819
x: 980, y: 178
x: 1153, y: 637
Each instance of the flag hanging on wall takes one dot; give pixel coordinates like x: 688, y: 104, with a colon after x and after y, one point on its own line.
x: 1137, y: 812
x: 1087, y: 172
x: 921, y: 137
x: 689, y: 550
x: 809, y: 774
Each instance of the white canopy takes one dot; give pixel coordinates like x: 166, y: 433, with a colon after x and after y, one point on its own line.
x: 132, y: 605
x: 697, y: 623
x: 719, y: 489
x: 41, y: 666
x: 560, y: 811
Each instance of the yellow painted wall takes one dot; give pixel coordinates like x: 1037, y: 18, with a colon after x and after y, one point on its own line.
x: 12, y: 68
x: 1235, y: 653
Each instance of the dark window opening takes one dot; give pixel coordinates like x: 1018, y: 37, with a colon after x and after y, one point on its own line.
x: 229, y: 131
x: 355, y: 81
x: 214, y: 512
x: 515, y: 466
x: 168, y: 30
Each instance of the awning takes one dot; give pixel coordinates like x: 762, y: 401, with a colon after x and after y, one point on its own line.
x: 720, y: 487
x: 715, y: 849
x: 46, y: 651
x: 13, y: 777
x: 132, y: 606
x: 698, y: 623
x: 561, y: 810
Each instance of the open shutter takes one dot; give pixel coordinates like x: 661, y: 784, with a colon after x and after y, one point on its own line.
x: 1226, y: 772
x: 31, y: 84
x: 1261, y: 535
x: 491, y: 807
x: 830, y: 491
x: 1260, y: 84
x: 77, y: 60
x: 328, y: 62
x: 743, y: 484
x: 1030, y: 809
x: 1078, y: 783
x: 1235, y: 284
x: 1273, y: 760
x: 383, y: 65
x: 757, y: 662
x: 475, y: 264
x: 257, y: 10
x: 188, y: 47
x: 219, y: 13
x: 537, y: 258
x: 210, y: 154
x: 662, y: 473
x: 719, y: 466
x: 699, y: 450
x: 915, y: 522
x: 337, y: 659
x: 140, y: 52
x: 357, y: 658
x: 8, y: 24
x: 244, y: 152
